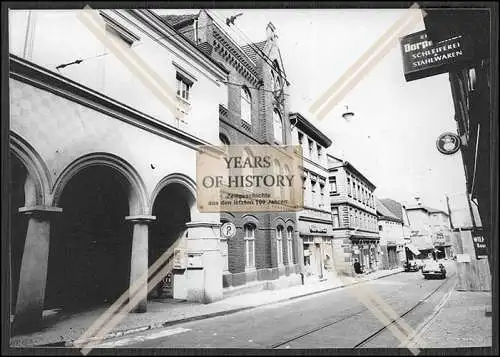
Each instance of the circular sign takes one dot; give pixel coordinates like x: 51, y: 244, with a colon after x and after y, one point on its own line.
x: 228, y: 230
x: 448, y: 143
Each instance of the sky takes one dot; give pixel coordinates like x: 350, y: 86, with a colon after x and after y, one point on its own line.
x: 392, y: 137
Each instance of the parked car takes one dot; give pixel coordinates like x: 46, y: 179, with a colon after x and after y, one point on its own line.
x: 434, y: 269
x: 411, y: 266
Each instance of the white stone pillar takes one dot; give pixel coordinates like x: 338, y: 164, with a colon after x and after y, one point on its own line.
x: 203, y: 248
x: 33, y: 273
x: 139, y: 260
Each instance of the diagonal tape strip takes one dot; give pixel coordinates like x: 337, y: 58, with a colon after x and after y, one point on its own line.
x: 134, y: 63
x: 367, y: 66
x: 323, y: 98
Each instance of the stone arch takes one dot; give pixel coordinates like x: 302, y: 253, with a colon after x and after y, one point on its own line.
x: 182, y: 179
x: 137, y: 192
x: 250, y: 219
x: 39, y: 176
x: 279, y: 221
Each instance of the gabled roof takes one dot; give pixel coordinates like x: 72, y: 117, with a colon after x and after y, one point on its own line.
x: 395, y: 207
x: 384, y: 213
x: 178, y: 20
x: 426, y: 208
x: 251, y: 51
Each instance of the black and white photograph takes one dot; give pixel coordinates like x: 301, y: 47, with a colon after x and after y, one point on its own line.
x: 219, y: 178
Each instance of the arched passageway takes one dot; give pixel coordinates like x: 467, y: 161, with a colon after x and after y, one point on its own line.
x: 172, y: 209
x: 90, y: 250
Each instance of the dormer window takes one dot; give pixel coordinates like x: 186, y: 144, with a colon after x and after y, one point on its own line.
x: 246, y: 105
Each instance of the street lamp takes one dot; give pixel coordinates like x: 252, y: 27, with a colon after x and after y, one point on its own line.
x: 347, y: 115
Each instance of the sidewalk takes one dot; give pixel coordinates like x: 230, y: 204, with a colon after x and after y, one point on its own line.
x: 63, y: 330
x: 461, y: 322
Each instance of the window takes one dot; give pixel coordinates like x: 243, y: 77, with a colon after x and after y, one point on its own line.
x: 359, y: 193
x: 333, y: 184
x: 279, y: 244
x: 313, y: 193
x: 223, y: 139
x: 322, y: 193
x: 278, y: 126
x: 354, y: 189
x: 380, y: 227
x: 318, y: 149
x: 250, y: 245
x: 183, y: 87
x: 335, y: 217
x: 351, y: 217
x: 311, y: 147
x: 246, y: 105
x: 301, y: 139
x: 349, y: 191
x: 289, y: 241
x: 276, y: 76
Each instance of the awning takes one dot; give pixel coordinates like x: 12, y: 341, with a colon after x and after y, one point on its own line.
x: 413, y: 249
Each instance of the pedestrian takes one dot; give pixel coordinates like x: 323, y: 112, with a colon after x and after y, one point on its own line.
x: 357, y: 267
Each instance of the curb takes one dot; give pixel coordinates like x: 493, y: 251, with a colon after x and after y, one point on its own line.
x: 125, y: 332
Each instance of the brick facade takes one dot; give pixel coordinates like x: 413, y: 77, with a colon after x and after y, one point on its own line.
x: 248, y: 69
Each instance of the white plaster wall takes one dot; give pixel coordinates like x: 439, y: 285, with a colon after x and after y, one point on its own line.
x: 62, y: 131
x: 60, y: 37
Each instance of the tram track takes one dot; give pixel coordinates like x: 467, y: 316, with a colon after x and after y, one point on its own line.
x: 373, y: 335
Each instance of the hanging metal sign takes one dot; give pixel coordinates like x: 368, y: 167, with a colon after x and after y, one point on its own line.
x: 448, y: 143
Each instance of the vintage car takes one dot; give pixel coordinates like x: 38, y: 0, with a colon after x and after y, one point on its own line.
x: 433, y: 269
x: 411, y: 266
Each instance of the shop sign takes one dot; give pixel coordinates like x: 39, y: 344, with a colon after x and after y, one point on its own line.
x: 422, y: 58
x: 479, y: 245
x: 448, y: 143
x: 316, y: 229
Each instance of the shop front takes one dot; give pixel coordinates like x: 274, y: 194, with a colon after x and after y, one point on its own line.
x: 317, y: 249
x: 367, y: 252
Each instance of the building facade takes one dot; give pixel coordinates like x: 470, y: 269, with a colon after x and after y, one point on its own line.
x: 355, y: 228
x: 315, y: 221
x: 392, y: 242
x: 102, y: 171
x: 430, y: 232
x: 265, y: 246
x: 471, y: 88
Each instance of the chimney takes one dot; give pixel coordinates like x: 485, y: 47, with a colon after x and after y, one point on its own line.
x: 270, y: 31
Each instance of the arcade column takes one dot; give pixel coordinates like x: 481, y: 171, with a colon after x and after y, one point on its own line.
x: 139, y: 261
x: 33, y: 273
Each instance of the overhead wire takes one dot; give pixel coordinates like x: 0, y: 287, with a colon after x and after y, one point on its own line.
x: 80, y: 60
x: 252, y: 45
